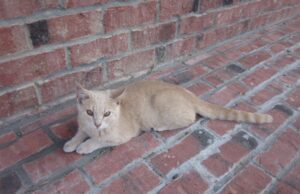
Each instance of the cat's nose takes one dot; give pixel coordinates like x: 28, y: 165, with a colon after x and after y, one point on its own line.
x: 97, y: 125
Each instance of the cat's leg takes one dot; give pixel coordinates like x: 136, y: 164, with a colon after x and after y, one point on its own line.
x: 72, y: 144
x: 91, y: 145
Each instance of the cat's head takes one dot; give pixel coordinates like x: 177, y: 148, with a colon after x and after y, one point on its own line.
x: 100, y: 108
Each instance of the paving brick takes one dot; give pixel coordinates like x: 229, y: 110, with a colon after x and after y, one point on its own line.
x: 284, y: 188
x: 217, y: 78
x: 32, y: 67
x: 66, y: 27
x: 281, y: 152
x: 267, y: 93
x: 152, y: 35
x: 120, y: 156
x: 291, y: 77
x: 250, y: 180
x: 293, y: 177
x: 283, y: 61
x: 215, y: 61
x: 177, y: 154
x: 7, y: 137
x: 68, y: 184
x: 137, y: 180
x: 10, y: 183
x: 24, y: 147
x: 179, y: 48
x: 13, y: 39
x: 199, y: 88
x: 252, y: 60
x: 99, y: 48
x: 169, y: 8
x: 126, y: 16
x: 190, y: 182
x: 293, y: 99
x: 65, y: 130
x: 221, y: 127
x: 131, y: 65
x: 259, y: 76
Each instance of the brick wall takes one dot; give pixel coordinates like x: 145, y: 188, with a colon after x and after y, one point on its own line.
x: 47, y: 45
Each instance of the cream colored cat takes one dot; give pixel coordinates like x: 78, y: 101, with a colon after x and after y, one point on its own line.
x: 113, y: 117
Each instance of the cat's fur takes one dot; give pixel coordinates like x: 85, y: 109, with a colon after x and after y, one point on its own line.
x: 138, y: 107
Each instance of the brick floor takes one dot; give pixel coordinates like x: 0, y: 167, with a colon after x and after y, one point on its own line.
x: 256, y: 71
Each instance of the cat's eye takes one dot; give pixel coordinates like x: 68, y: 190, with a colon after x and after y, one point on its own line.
x: 89, y: 112
x: 106, y: 114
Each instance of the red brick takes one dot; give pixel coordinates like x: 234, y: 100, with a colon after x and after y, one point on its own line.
x: 7, y: 137
x: 64, y: 85
x: 221, y: 127
x: 53, y: 162
x: 205, y: 5
x: 293, y: 177
x: 24, y: 147
x: 196, y: 23
x: 283, y: 61
x: 297, y: 123
x: 228, y: 16
x: 120, y: 156
x: 179, y: 48
x: 227, y: 93
x: 137, y: 180
x: 255, y: 44
x: 190, y: 182
x: 216, y: 164
x: 252, y: 60
x: 290, y: 77
x: 280, y: 46
x: 259, y: 76
x: 102, y: 47
x: 169, y: 133
x: 127, y: 16
x: 162, y: 72
x: 280, y: 113
x: 79, y: 3
x: 131, y: 64
x: 199, y: 88
x: 250, y: 180
x: 169, y: 8
x: 68, y: 184
x: 12, y: 39
x: 233, y: 151
x: 285, y: 188
x: 215, y: 61
x: 207, y: 39
x: 16, y: 8
x: 217, y: 78
x: 177, y: 155
x: 197, y: 59
x: 17, y: 101
x: 266, y: 94
x: 32, y: 67
x: 152, y: 35
x: 281, y: 152
x: 65, y: 130
x: 66, y: 27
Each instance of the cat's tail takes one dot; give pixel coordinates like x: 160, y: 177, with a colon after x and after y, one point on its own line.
x: 214, y: 111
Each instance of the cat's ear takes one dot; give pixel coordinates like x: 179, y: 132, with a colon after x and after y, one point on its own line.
x: 81, y: 93
x: 114, y: 93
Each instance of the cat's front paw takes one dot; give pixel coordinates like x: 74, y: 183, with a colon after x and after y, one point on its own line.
x: 70, y: 146
x: 87, y: 147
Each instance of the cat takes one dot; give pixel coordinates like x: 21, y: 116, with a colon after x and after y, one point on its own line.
x: 113, y: 117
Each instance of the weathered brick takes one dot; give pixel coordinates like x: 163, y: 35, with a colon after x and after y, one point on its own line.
x: 16, y: 101
x: 197, y: 59
x: 67, y: 27
x: 205, y: 5
x: 32, y: 67
x: 291, y: 77
x: 267, y: 93
x: 227, y: 93
x: 282, y: 187
x: 120, y: 156
x: 281, y: 152
x: 137, y: 180
x: 279, y: 46
x: 127, y: 16
x: 132, y: 64
x: 7, y: 137
x: 206, y: 39
x: 72, y: 182
x: 99, y: 48
x: 250, y: 180
x: 221, y: 127
x: 54, y: 162
x: 190, y: 182
x: 199, y: 88
x: 218, y: 77
x: 65, y: 130
x: 293, y: 177
x: 16, y: 8
x: 152, y: 35
x: 78, y: 3
x: 24, y: 147
x: 176, y: 155
x: 283, y: 61
x: 13, y: 39
x: 215, y: 61
x: 66, y: 84
x: 196, y: 23
x: 293, y: 98
x: 259, y: 76
x: 252, y: 60
x: 179, y: 48
x: 10, y: 183
x: 39, y: 33
x: 169, y: 8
